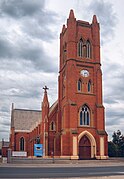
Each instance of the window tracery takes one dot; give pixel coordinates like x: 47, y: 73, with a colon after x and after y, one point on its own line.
x: 88, y: 49
x: 79, y: 85
x: 84, y: 116
x: 89, y: 86
x: 80, y: 48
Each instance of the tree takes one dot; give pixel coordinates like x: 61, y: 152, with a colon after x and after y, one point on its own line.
x: 116, y: 137
x: 112, y: 149
x: 116, y: 146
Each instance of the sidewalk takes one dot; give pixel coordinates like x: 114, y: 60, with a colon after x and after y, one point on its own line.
x: 67, y: 163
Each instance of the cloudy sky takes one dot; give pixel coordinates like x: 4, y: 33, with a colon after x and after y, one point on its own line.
x: 29, y: 54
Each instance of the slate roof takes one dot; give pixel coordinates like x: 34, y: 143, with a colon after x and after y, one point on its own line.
x: 25, y: 120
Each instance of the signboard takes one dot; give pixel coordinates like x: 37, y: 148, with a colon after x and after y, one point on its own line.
x: 38, y: 150
x: 19, y: 154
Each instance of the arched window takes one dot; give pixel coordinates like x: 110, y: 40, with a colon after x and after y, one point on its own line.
x: 79, y: 85
x: 84, y: 116
x: 52, y: 126
x: 22, y: 144
x: 88, y: 49
x: 89, y: 86
x: 80, y: 48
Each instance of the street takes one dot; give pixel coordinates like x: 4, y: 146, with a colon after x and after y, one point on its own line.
x: 59, y: 172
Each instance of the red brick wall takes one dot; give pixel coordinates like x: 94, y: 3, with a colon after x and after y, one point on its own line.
x: 4, y: 151
x: 70, y: 104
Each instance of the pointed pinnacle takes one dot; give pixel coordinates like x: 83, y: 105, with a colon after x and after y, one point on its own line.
x: 94, y: 19
x: 63, y: 28
x: 71, y: 15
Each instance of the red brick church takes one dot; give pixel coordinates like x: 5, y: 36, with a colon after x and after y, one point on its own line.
x: 74, y: 126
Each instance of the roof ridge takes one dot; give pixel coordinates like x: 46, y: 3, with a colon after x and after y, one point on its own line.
x: 27, y: 110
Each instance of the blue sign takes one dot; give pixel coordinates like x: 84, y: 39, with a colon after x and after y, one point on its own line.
x: 38, y: 150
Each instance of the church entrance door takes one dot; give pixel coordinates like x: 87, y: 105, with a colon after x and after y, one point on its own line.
x: 84, y: 148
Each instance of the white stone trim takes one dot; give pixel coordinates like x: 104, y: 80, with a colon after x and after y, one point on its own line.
x: 74, y: 157
x: 65, y: 157
x: 74, y: 145
x: 27, y: 131
x: 101, y: 146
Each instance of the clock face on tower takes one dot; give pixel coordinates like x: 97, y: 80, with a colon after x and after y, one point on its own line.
x: 84, y: 73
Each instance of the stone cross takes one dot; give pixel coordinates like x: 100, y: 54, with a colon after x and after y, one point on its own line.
x: 45, y: 88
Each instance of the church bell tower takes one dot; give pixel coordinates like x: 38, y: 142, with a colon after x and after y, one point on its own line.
x: 80, y: 105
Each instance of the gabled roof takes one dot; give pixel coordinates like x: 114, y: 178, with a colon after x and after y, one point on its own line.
x: 24, y: 120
